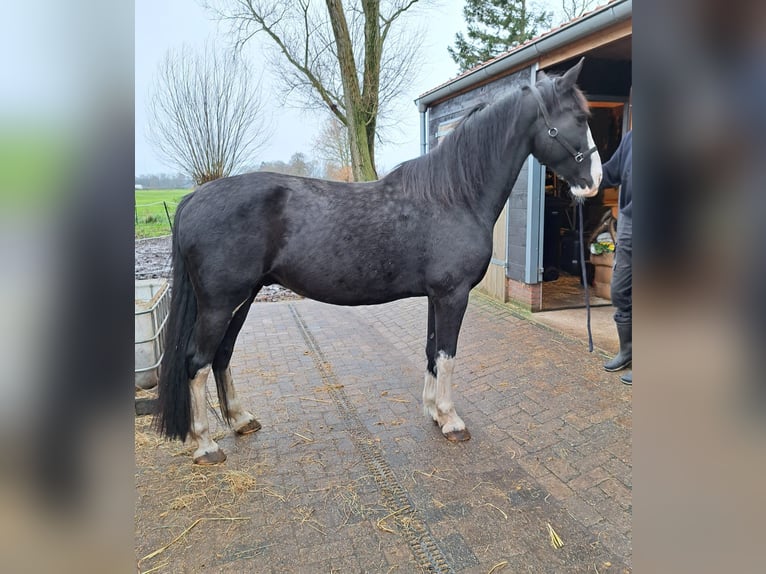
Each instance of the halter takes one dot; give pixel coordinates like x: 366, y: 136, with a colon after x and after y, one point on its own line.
x: 553, y: 132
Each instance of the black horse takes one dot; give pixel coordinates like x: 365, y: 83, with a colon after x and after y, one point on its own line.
x: 425, y: 229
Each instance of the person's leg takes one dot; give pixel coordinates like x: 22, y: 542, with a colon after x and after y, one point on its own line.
x: 622, y: 299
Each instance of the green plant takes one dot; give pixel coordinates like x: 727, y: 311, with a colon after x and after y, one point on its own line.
x: 602, y: 247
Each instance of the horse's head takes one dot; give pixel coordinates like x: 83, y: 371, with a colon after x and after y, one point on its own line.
x: 562, y: 138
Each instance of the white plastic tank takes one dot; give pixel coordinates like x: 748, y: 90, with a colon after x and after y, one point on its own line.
x: 152, y: 307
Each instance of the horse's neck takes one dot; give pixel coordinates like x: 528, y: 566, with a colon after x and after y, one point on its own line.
x: 518, y: 147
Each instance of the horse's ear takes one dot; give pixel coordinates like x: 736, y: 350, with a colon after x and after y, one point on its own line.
x: 540, y: 76
x: 569, y: 79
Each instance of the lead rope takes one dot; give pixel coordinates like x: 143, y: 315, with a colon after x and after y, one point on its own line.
x: 578, y: 157
x: 585, y: 276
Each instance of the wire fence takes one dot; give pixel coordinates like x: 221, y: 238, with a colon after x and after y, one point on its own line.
x: 154, y: 219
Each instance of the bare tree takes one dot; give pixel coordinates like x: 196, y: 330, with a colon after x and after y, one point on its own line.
x: 353, y: 61
x: 299, y: 165
x: 205, y: 113
x: 332, y: 147
x: 576, y: 8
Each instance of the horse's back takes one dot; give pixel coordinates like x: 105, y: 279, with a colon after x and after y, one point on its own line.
x: 341, y: 243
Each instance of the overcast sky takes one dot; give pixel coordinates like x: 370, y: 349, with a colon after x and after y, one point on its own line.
x: 164, y: 24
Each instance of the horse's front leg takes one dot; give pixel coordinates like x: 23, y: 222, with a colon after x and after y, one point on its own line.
x: 429, y: 386
x: 448, y: 315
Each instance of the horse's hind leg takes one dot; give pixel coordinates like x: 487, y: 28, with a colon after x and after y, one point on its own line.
x: 208, y: 451
x: 209, y: 330
x: 448, y: 314
x: 241, y: 420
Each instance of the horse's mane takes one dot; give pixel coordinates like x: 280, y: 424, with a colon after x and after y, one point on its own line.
x: 460, y: 165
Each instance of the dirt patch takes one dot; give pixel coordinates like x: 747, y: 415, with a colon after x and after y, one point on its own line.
x: 153, y: 261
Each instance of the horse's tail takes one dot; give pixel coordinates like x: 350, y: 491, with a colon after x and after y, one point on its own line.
x: 174, y: 417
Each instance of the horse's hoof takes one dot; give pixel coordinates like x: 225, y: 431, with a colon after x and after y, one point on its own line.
x: 248, y: 428
x: 458, y: 435
x: 215, y: 457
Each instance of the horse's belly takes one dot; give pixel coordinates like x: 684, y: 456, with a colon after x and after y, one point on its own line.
x: 341, y: 285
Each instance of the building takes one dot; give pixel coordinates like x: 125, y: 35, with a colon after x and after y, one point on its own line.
x: 535, y: 261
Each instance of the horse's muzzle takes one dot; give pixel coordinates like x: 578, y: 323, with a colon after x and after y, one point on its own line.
x: 583, y: 192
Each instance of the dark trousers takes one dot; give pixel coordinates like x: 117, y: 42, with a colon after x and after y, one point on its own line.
x: 622, y: 282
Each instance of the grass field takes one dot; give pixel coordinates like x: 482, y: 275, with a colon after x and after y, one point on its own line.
x: 150, y: 217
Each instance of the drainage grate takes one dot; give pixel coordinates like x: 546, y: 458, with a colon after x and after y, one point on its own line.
x: 403, y: 514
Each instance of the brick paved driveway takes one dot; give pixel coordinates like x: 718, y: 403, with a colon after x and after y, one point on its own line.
x: 347, y: 475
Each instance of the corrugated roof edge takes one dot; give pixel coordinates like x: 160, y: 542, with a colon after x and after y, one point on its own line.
x: 588, y: 23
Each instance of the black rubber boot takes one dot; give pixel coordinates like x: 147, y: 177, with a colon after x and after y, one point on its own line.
x: 625, y: 357
x: 627, y: 378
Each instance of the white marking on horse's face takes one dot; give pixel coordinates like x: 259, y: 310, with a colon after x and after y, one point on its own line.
x: 595, y: 173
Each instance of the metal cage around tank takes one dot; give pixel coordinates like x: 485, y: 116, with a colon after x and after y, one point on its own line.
x: 152, y: 306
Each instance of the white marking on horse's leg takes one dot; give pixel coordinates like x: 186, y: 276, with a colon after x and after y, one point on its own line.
x: 429, y: 396
x: 200, y: 430
x: 447, y: 418
x: 242, y: 420
x: 238, y: 307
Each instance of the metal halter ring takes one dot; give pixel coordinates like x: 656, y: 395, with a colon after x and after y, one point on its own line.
x: 579, y: 157
x: 553, y: 132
